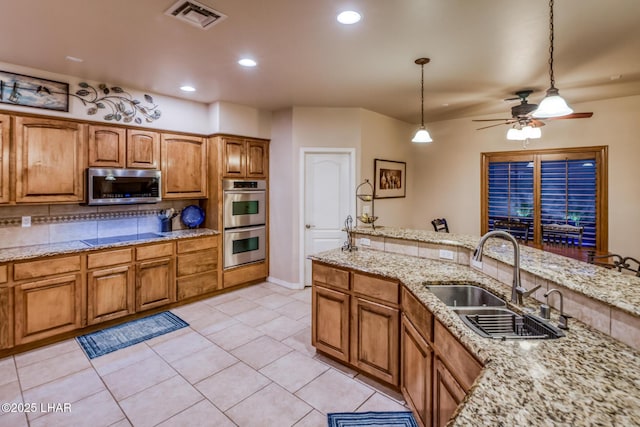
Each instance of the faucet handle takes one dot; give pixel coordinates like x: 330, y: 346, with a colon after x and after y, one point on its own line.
x: 524, y: 292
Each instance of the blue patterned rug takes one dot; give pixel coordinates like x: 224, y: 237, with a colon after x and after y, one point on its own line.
x: 120, y: 336
x: 378, y: 419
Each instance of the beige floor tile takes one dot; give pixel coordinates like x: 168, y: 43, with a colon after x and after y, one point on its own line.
x: 52, y: 368
x: 274, y: 300
x: 8, y: 371
x: 294, y: 371
x: 301, y: 342
x: 221, y: 299
x: 234, y: 336
x: 119, y: 359
x: 69, y: 389
x: 381, y: 403
x: 231, y: 385
x: 335, y: 365
x: 182, y: 346
x: 295, y: 310
x: 382, y: 389
x: 334, y: 392
x: 313, y: 419
x: 166, y: 337
x: 236, y: 306
x: 201, y: 414
x: 261, y: 351
x: 204, y: 363
x: 13, y: 419
x: 257, y: 316
x: 10, y: 393
x: 45, y: 353
x: 304, y: 295
x: 213, y: 321
x: 121, y: 423
x: 271, y: 406
x: 254, y: 292
x: 192, y: 312
x: 281, y: 327
x: 94, y: 411
x: 159, y: 403
x: 138, y: 376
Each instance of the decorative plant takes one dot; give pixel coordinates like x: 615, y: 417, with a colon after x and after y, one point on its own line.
x: 117, y: 103
x: 524, y: 210
x: 575, y: 217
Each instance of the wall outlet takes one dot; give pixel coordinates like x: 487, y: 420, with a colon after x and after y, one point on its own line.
x: 445, y: 254
x: 365, y: 242
x: 476, y: 264
x: 26, y: 221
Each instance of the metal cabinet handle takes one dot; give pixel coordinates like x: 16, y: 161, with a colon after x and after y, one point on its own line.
x: 308, y: 226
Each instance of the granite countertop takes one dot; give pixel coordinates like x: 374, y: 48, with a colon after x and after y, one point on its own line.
x: 609, y: 286
x: 75, y: 246
x: 584, y: 378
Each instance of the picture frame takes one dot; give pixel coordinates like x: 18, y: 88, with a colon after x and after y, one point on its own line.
x: 390, y: 179
x: 28, y: 91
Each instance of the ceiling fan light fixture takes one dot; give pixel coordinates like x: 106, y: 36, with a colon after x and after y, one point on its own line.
x: 422, y: 136
x: 553, y: 105
x: 530, y: 132
x: 514, y: 134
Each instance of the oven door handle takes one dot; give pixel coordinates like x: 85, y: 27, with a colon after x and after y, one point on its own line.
x: 244, y: 191
x: 244, y: 229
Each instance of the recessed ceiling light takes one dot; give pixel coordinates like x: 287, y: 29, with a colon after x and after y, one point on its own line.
x: 247, y: 62
x: 187, y: 88
x: 73, y: 59
x: 349, y: 17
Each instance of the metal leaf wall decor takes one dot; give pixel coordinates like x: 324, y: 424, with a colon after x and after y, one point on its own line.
x: 116, y: 103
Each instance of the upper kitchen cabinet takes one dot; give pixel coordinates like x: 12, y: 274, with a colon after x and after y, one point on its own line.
x: 245, y: 158
x: 184, y: 167
x: 114, y: 147
x: 49, y: 159
x: 5, y: 126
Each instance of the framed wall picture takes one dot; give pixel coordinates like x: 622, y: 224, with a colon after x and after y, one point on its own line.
x: 18, y: 89
x: 390, y: 179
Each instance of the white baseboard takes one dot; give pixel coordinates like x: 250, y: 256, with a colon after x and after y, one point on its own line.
x: 284, y: 283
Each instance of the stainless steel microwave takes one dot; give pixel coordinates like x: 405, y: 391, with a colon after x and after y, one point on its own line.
x: 123, y: 186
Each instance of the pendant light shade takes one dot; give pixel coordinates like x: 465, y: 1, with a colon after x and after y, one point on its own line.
x: 422, y: 136
x: 553, y: 105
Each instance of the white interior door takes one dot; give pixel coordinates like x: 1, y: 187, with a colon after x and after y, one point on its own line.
x: 328, y: 194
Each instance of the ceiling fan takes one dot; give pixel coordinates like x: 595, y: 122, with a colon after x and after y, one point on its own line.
x: 522, y: 113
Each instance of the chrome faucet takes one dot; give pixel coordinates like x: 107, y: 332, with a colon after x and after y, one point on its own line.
x: 564, y: 319
x: 517, y: 291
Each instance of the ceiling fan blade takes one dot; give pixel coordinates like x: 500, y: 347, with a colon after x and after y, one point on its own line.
x: 572, y: 116
x: 498, y: 124
x: 491, y: 120
x: 536, y: 123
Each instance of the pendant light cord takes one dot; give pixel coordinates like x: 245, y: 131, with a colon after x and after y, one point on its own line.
x: 422, y: 96
x: 551, y: 39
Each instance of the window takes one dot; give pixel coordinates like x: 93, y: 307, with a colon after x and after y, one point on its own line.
x: 560, y: 194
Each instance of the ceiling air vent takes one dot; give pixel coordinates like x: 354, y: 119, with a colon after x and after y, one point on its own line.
x: 195, y: 13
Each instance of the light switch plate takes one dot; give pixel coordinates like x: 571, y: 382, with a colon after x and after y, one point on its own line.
x: 26, y: 221
x: 445, y: 254
x: 365, y: 242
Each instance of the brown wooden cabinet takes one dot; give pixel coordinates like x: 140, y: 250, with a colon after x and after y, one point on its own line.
x: 6, y: 315
x: 197, y: 269
x: 245, y: 158
x: 417, y: 367
x: 5, y: 135
x: 447, y: 394
x: 330, y: 325
x: 184, y: 167
x: 143, y: 149
x: 115, y: 147
x: 110, y: 285
x: 155, y: 277
x: 49, y: 160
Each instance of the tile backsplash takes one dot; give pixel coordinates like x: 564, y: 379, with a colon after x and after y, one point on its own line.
x: 62, y: 223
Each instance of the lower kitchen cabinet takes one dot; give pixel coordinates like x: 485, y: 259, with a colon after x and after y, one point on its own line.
x: 155, y: 284
x: 447, y: 394
x: 6, y: 316
x: 197, y: 270
x: 47, y: 307
x: 110, y: 293
x: 417, y: 368
x: 374, y: 339
x: 330, y: 324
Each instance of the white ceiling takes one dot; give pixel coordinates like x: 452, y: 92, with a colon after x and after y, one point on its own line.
x: 481, y: 51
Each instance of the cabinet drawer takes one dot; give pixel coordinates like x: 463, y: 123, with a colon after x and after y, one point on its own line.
x: 197, y: 244
x: 418, y: 314
x: 330, y: 276
x: 374, y: 287
x: 46, y: 267
x: 4, y: 277
x: 154, y: 251
x: 461, y: 363
x: 197, y: 285
x: 197, y: 262
x: 105, y: 259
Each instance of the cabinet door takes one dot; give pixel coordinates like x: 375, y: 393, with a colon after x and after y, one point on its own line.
x: 110, y: 293
x: 49, y: 160
x: 375, y: 339
x: 107, y: 146
x: 143, y: 149
x: 257, y: 159
x: 155, y: 284
x: 6, y: 318
x: 330, y: 322
x: 5, y: 126
x: 184, y: 167
x: 233, y: 158
x: 447, y: 394
x: 416, y: 372
x: 48, y: 307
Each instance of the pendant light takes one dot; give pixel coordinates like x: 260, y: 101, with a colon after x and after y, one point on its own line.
x: 553, y: 105
x: 422, y: 136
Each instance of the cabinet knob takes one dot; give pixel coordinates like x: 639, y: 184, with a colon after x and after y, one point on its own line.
x: 308, y: 226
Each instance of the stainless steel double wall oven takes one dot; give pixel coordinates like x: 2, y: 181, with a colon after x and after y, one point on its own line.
x: 244, y: 219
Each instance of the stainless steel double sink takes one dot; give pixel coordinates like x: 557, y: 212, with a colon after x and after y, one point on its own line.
x: 487, y: 314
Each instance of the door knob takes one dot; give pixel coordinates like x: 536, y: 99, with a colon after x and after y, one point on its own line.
x: 308, y: 226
